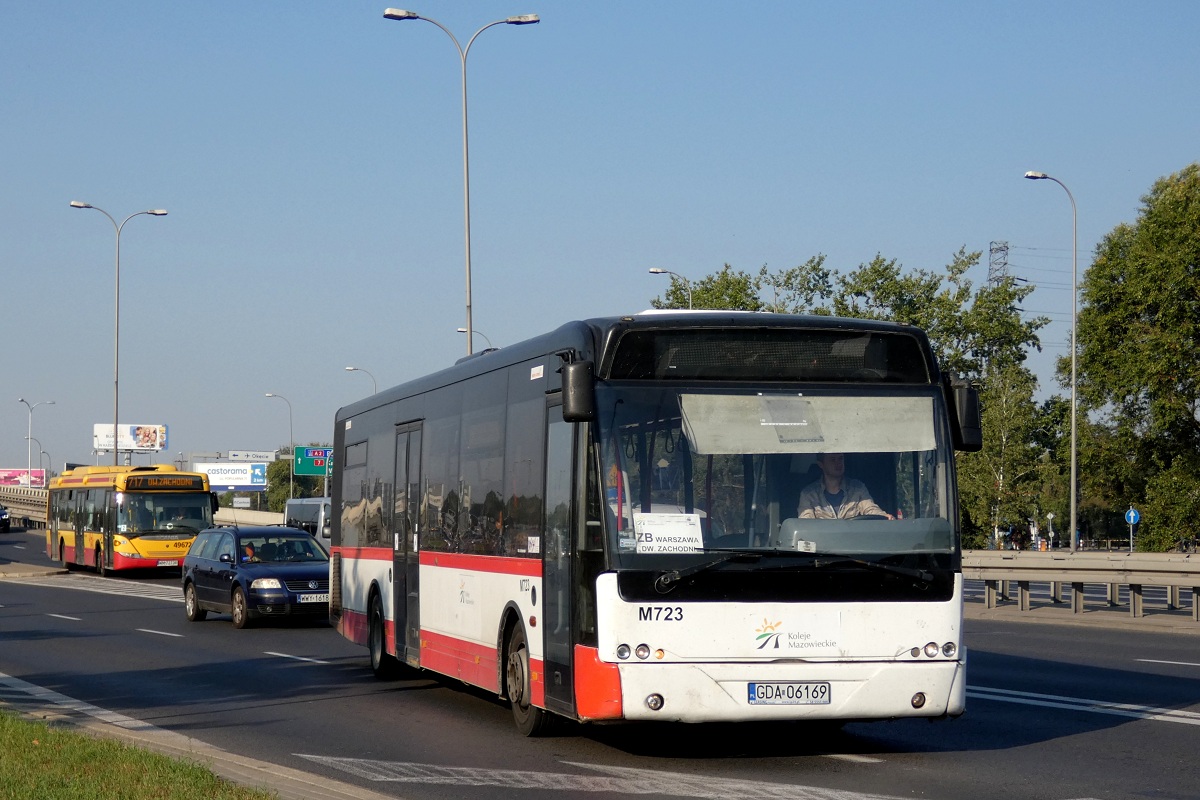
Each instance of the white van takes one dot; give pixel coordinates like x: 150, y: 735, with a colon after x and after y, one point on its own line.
x: 312, y: 514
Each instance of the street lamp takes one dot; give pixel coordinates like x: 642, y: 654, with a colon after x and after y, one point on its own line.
x: 29, y: 437
x: 291, y: 443
x: 686, y: 283
x: 374, y: 385
x: 154, y: 212
x: 29, y: 481
x: 1041, y: 176
x: 46, y: 469
x: 523, y: 19
x: 478, y: 333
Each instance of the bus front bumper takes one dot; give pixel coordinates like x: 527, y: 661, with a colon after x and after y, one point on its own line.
x: 793, y: 691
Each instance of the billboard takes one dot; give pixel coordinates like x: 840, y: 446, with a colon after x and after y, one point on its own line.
x: 138, y: 438
x: 21, y: 477
x: 226, y: 477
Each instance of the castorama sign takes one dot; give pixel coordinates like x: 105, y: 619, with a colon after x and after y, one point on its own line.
x: 226, y: 477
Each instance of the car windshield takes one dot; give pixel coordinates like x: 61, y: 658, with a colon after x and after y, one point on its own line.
x: 281, y: 548
x: 685, y: 472
x: 182, y: 512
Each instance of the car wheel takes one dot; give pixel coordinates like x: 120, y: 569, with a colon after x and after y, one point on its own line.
x: 191, y: 605
x: 383, y: 664
x: 531, y: 720
x: 239, y: 609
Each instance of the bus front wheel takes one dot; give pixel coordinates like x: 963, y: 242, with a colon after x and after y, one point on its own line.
x: 531, y: 720
x: 103, y: 570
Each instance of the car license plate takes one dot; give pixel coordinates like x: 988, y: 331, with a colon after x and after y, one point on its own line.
x: 314, y: 598
x: 790, y: 693
x: 168, y: 562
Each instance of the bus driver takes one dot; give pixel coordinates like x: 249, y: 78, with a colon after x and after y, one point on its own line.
x: 835, y: 496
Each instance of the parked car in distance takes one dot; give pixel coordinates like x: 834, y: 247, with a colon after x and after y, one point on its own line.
x: 256, y: 572
x: 5, y: 522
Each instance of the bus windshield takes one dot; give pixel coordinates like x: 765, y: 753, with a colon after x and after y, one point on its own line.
x: 850, y: 472
x: 175, y: 512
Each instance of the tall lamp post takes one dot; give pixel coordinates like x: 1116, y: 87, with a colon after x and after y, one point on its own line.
x: 29, y: 438
x: 374, y: 384
x: 154, y: 212
x: 291, y: 443
x: 686, y: 283
x: 523, y: 19
x: 478, y: 333
x: 46, y: 469
x: 1041, y: 176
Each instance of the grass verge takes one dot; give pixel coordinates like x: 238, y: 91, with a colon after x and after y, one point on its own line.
x: 55, y: 763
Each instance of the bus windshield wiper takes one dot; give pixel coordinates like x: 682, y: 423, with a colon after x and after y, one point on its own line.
x: 821, y: 560
x: 667, y: 580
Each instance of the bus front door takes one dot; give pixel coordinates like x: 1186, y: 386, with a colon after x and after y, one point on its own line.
x: 406, y: 537
x: 557, y: 552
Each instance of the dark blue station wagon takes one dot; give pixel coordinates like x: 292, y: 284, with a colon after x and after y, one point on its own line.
x: 253, y: 572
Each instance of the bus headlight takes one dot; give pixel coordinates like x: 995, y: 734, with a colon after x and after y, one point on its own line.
x: 622, y: 651
x: 949, y: 649
x: 266, y: 583
x: 932, y: 649
x: 643, y: 651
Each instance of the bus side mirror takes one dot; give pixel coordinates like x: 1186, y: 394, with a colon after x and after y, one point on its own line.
x: 967, y: 421
x: 215, y: 501
x: 579, y: 392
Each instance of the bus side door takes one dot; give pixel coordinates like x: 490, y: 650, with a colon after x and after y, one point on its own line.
x: 406, y: 534
x: 557, y: 552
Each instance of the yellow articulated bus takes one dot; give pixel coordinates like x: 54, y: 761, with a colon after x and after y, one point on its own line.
x: 122, y: 518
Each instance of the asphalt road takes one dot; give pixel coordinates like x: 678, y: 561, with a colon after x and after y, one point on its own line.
x: 1054, y: 712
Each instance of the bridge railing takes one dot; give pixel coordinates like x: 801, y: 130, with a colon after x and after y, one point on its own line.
x: 998, y: 569
x: 25, y: 503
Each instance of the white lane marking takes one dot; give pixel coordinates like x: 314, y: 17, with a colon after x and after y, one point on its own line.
x: 296, y: 658
x: 1176, y: 663
x: 64, y: 616
x: 1084, y: 704
x: 48, y: 696
x: 161, y: 633
x: 856, y: 759
x: 117, y: 586
x: 618, y: 780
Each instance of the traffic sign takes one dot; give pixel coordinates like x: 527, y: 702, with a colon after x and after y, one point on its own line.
x: 317, y: 464
x: 1132, y: 516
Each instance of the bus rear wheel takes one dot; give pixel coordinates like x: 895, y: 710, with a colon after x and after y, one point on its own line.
x: 531, y: 720
x: 383, y: 664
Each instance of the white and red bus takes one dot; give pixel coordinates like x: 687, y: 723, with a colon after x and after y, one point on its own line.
x: 604, y: 522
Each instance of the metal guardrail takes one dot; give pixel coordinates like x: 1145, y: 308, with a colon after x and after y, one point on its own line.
x: 999, y: 568
x: 25, y: 503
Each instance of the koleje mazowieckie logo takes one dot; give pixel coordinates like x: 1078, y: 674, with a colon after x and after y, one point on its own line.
x: 768, y: 635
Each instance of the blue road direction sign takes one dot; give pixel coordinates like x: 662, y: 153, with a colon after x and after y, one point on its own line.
x: 1132, y: 516
x: 313, y: 460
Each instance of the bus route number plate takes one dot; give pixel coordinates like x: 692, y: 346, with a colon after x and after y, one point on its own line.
x: 790, y: 693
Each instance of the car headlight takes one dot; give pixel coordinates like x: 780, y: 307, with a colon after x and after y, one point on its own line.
x: 266, y: 583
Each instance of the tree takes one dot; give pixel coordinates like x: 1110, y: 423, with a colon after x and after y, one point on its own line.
x: 725, y: 289
x: 1001, y: 482
x: 1139, y: 353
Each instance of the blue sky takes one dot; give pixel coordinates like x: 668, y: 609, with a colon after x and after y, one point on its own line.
x: 310, y: 156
